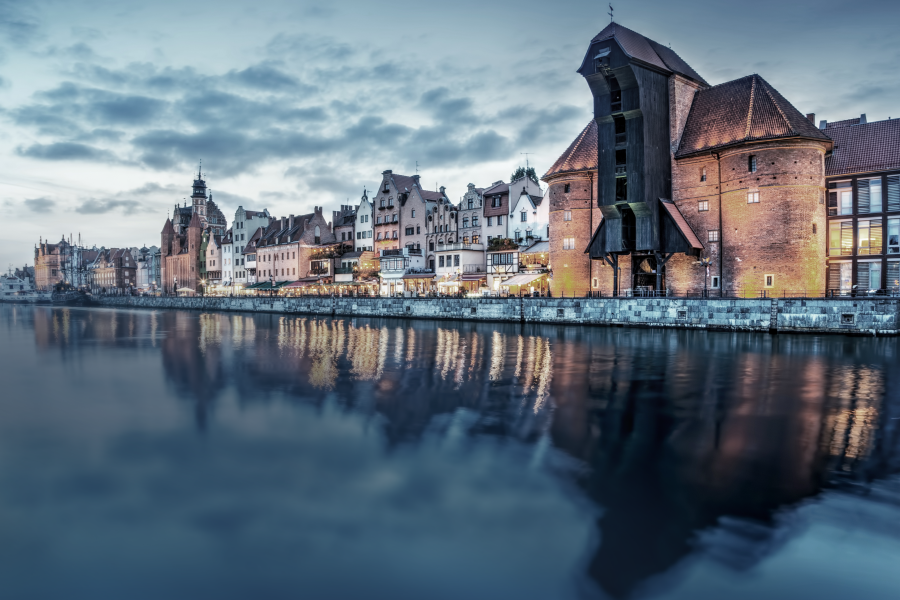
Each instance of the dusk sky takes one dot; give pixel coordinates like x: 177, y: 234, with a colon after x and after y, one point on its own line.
x: 107, y: 107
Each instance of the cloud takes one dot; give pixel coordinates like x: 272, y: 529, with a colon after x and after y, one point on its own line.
x: 66, y: 151
x: 445, y: 108
x: 17, y: 24
x: 264, y: 77
x: 39, y: 205
x: 78, y: 51
x: 94, y: 206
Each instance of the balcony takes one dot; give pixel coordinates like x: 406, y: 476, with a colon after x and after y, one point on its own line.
x: 460, y: 246
x: 473, y: 269
x: 401, y: 252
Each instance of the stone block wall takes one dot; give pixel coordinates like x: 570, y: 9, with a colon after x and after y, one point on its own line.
x: 860, y: 316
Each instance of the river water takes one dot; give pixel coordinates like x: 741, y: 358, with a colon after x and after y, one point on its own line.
x: 169, y: 454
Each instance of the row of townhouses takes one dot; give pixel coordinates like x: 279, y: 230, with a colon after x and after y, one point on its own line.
x: 675, y: 186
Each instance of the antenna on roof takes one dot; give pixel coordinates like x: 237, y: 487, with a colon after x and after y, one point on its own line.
x: 526, y: 159
x: 610, y: 13
x: 200, y: 169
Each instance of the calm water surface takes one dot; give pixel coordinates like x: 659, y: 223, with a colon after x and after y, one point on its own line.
x: 148, y: 455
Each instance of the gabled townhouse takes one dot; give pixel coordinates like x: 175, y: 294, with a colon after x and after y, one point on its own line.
x: 529, y: 217
x: 471, y: 215
x: 363, y: 225
x: 496, y: 211
x: 228, y: 265
x: 286, y: 250
x: 442, y: 225
x: 246, y: 222
x: 343, y: 224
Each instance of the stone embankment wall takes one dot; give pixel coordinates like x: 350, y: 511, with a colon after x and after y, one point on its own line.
x: 861, y: 316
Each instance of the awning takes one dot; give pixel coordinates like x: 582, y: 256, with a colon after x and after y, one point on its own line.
x: 418, y: 276
x: 522, y: 279
x: 473, y: 276
x: 681, y: 224
x: 296, y: 284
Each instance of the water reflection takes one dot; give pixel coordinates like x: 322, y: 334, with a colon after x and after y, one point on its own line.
x: 684, y: 443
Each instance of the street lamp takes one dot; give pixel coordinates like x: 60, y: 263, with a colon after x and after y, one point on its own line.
x: 705, y: 262
x: 176, y: 285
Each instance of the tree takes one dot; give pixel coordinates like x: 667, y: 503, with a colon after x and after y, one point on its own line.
x: 522, y: 172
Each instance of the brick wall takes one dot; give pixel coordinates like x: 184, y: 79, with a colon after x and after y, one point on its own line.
x: 775, y: 236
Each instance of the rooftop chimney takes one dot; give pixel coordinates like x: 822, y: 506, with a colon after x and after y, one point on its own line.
x: 811, y: 117
x: 823, y: 124
x: 291, y: 221
x: 862, y: 119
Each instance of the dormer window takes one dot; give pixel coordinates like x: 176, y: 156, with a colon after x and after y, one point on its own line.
x: 751, y: 163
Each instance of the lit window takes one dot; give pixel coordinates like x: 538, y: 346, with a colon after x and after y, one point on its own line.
x: 893, y: 236
x: 713, y: 235
x: 870, y: 236
x: 569, y: 243
x: 567, y: 215
x: 753, y: 198
x: 703, y: 206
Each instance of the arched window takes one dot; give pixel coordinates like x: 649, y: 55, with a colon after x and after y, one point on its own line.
x: 751, y: 163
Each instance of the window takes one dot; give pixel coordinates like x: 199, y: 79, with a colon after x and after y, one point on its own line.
x: 495, y: 201
x: 441, y: 261
x: 893, y: 236
x: 378, y: 220
x: 703, y: 174
x: 395, y: 234
x: 395, y: 218
x: 475, y: 239
x: 391, y: 202
x: 475, y: 221
x: 490, y: 222
x: 456, y: 260
x: 868, y: 276
x: 466, y: 222
x: 465, y: 239
x: 846, y: 202
x: 770, y: 280
x: 524, y: 216
x: 418, y: 229
x: 715, y: 282
x: 566, y: 188
x: 815, y: 229
x: 869, y: 236
x: 751, y: 163
x: 595, y: 283
x: 840, y: 239
x: 379, y: 236
x: 369, y: 233
x: 567, y: 215
x: 382, y: 202
x: 499, y: 219
x: 431, y: 246
x: 753, y: 198
x: 471, y: 204
x: 569, y: 243
x: 703, y: 206
x: 868, y: 195
x: 712, y: 235
x: 414, y: 213
x: 409, y: 231
x: 359, y: 235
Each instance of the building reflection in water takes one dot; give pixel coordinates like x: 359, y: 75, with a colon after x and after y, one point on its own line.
x: 678, y: 432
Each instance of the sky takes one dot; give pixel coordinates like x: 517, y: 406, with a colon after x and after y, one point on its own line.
x: 106, y: 108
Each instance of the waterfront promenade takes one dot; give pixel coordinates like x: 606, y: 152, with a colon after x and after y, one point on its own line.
x: 855, y: 316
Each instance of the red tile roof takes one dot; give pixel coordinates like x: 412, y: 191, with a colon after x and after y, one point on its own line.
x: 581, y: 155
x: 740, y: 111
x: 646, y: 50
x: 866, y: 148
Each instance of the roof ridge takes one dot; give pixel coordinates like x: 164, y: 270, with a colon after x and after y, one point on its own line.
x: 749, y: 126
x: 778, y: 107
